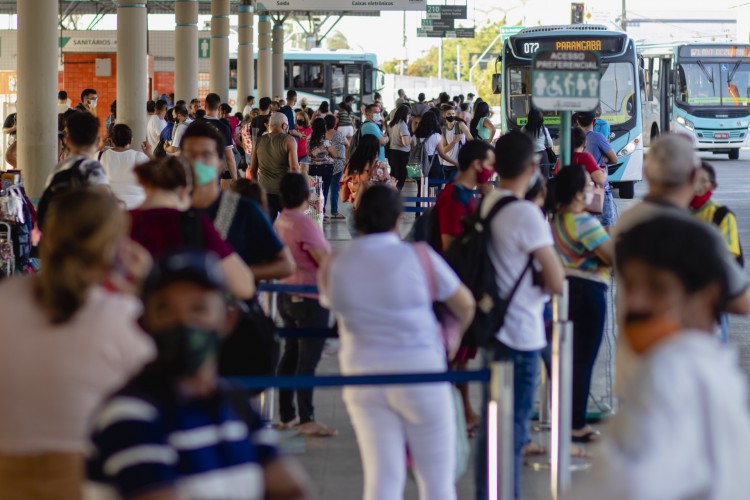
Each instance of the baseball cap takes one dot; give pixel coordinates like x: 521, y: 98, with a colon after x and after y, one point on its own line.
x: 671, y: 160
x: 200, y: 268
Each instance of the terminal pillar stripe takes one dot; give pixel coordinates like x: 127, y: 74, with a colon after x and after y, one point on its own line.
x: 265, y: 80
x: 245, y: 56
x: 186, y: 50
x: 219, y: 57
x: 278, y: 60
x: 132, y: 69
x: 37, y: 92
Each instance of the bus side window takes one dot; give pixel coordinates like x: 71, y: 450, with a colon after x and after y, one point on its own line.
x: 315, y: 76
x: 298, y: 78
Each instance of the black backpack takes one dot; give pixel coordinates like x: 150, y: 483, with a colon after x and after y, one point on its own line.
x: 354, y: 143
x: 426, y: 228
x: 469, y: 257
x: 418, y: 156
x: 719, y: 215
x: 65, y: 181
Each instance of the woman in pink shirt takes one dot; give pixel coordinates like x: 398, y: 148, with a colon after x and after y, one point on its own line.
x: 67, y: 342
x: 310, y: 249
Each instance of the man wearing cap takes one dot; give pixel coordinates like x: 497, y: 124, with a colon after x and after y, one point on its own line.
x: 175, y: 430
x: 671, y: 167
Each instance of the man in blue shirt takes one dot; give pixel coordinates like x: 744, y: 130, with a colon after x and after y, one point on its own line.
x: 598, y: 146
x: 175, y: 430
x: 372, y: 127
x: 600, y: 125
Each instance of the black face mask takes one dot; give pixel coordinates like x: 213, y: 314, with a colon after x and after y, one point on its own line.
x: 300, y: 123
x: 450, y: 119
x: 182, y: 350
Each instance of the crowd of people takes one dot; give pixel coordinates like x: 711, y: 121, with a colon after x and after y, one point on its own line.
x: 110, y: 370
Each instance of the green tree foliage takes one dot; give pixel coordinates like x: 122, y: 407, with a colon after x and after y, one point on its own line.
x: 471, y: 48
x: 337, y: 41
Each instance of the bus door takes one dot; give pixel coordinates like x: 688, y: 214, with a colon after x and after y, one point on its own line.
x: 354, y: 81
x: 338, y: 84
x: 667, y: 89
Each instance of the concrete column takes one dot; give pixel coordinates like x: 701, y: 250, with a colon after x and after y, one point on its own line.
x: 265, y: 80
x: 219, y: 58
x: 278, y: 60
x: 245, y: 56
x: 132, y: 68
x: 37, y: 84
x: 186, y: 50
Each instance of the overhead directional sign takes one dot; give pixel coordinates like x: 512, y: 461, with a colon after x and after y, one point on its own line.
x: 428, y: 33
x: 339, y: 5
x: 565, y: 81
x: 446, y: 12
x: 454, y: 33
x: 438, y: 24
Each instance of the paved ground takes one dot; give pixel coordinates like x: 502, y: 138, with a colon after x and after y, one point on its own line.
x: 334, y: 463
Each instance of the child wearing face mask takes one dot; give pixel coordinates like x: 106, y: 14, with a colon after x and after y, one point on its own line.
x: 706, y: 209
x: 587, y: 254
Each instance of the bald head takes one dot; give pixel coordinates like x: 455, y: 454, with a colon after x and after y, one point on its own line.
x: 278, y: 122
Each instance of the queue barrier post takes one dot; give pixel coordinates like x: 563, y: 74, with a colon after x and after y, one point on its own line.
x: 500, y: 449
x: 562, y: 395
x: 544, y: 389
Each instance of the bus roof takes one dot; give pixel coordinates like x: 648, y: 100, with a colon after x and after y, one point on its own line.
x: 671, y: 48
x: 565, y: 30
x: 325, y: 55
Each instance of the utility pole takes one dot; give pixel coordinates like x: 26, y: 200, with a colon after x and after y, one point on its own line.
x: 624, y: 16
x: 440, y: 59
x: 403, y: 61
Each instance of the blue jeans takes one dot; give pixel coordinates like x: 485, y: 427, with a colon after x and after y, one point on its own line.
x: 335, y: 192
x: 525, y: 370
x: 607, y: 218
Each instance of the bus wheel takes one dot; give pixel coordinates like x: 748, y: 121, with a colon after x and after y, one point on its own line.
x: 627, y: 190
x: 734, y: 154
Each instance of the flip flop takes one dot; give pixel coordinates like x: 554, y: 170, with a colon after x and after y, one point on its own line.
x: 287, y: 426
x: 579, y: 452
x: 532, y: 449
x: 589, y: 437
x: 320, y: 431
x: 338, y: 217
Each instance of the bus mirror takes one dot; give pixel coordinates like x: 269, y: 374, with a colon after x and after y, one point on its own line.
x: 497, y: 83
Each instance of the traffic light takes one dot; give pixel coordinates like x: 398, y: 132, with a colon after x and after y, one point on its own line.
x: 576, y: 13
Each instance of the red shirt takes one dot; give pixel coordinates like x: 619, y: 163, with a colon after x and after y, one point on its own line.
x: 453, y: 204
x: 585, y: 159
x: 302, y: 142
x: 160, y: 230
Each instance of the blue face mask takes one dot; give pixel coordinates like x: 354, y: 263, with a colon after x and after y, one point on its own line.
x: 204, y: 174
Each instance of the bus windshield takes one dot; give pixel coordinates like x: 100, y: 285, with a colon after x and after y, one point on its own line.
x: 706, y: 83
x: 617, y: 94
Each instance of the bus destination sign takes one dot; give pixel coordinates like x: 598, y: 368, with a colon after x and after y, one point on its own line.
x: 526, y: 47
x: 719, y: 51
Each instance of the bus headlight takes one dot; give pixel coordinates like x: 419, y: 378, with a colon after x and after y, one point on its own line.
x: 685, y: 123
x: 629, y: 147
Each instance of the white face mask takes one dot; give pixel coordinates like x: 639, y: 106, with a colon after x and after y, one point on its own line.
x: 588, y: 197
x: 92, y: 103
x: 376, y: 118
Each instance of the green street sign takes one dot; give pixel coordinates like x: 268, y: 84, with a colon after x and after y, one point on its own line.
x: 508, y: 31
x: 565, y: 81
x: 204, y: 48
x: 446, y: 12
x: 438, y: 24
x: 428, y: 33
x: 464, y: 32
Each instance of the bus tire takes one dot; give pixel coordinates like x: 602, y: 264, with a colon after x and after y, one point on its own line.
x: 734, y: 154
x: 627, y: 190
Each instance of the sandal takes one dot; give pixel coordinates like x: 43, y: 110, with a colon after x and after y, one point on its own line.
x: 287, y: 426
x: 531, y: 449
x: 579, y: 452
x: 314, y: 429
x: 589, y: 435
x: 338, y: 217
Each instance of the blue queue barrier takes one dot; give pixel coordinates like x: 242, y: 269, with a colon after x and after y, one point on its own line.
x: 310, y: 381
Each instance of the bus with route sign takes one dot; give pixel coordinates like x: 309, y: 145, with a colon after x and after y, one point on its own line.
x: 619, y: 89
x: 698, y: 89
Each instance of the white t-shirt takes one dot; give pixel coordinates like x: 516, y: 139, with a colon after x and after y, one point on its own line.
x: 449, y: 134
x: 119, y: 168
x: 153, y: 129
x: 247, y: 110
x: 179, y: 132
x: 52, y: 377
x: 380, y: 295
x: 684, y: 431
x: 518, y: 230
x: 431, y: 143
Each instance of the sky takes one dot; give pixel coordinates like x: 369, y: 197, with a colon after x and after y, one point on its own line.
x: 384, y: 34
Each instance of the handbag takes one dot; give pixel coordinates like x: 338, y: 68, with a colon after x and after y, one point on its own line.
x: 414, y: 171
x: 450, y: 328
x: 596, y: 206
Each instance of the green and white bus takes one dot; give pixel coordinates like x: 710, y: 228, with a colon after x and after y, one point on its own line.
x: 699, y: 89
x: 620, y: 98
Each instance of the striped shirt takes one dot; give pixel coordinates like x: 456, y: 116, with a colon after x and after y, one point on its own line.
x: 576, y: 238
x: 345, y: 118
x: 144, y: 438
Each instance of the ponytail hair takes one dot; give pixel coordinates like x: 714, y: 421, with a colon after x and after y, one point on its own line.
x: 82, y: 229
